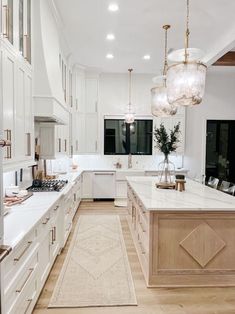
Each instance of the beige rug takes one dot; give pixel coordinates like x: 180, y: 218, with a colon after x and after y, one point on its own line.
x: 96, y: 271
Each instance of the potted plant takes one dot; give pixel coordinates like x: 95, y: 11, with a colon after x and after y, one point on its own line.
x: 166, y: 143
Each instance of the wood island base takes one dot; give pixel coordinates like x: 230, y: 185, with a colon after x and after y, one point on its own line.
x: 183, y: 248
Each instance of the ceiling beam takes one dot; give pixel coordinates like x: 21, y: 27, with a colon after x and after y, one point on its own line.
x: 227, y: 60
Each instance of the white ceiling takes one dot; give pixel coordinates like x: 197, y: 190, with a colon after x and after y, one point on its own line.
x: 138, y: 30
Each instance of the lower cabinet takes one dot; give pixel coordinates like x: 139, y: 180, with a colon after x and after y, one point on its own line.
x: 25, y: 270
x: 87, y: 184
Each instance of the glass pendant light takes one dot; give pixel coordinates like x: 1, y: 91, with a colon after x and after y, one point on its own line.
x: 160, y: 106
x: 186, y: 78
x: 129, y: 115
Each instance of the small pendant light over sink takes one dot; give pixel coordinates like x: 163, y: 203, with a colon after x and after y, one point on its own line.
x: 129, y: 115
x: 160, y: 106
x: 186, y: 77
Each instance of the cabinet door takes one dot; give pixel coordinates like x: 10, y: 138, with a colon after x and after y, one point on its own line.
x: 80, y: 144
x: 91, y: 95
x: 87, y: 185
x: 8, y: 83
x: 44, y: 258
x: 20, y: 116
x: 54, y: 239
x: 91, y: 133
x: 7, y: 19
x: 29, y: 122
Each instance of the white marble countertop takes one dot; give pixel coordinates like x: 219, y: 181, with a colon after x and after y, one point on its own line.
x: 196, y: 197
x: 23, y: 217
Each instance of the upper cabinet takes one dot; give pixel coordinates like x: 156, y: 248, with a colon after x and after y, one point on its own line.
x: 8, y: 20
x: 91, y: 95
x: 25, y: 29
x: 16, y: 26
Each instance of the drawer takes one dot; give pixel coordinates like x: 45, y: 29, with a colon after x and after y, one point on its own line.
x: 17, y: 258
x: 143, y: 237
x: 27, y: 300
x: 44, y: 224
x: 20, y: 282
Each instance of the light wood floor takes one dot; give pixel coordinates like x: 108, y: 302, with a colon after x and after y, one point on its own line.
x: 150, y: 301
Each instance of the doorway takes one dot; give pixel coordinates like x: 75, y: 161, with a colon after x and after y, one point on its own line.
x: 220, y: 149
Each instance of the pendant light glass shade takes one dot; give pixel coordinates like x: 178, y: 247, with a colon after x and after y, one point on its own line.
x: 129, y: 115
x: 160, y: 106
x: 186, y: 83
x: 186, y: 79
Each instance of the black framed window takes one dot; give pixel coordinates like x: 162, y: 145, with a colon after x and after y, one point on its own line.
x: 121, y: 138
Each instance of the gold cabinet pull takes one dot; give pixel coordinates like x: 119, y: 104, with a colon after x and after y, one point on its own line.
x: 8, y: 147
x: 23, y: 252
x: 6, y: 22
x: 26, y: 279
x: 5, y: 143
x: 28, y: 144
x: 46, y: 221
x: 25, y: 47
x: 29, y: 303
x: 54, y: 234
x: 65, y: 145
x: 55, y: 209
x: 59, y: 141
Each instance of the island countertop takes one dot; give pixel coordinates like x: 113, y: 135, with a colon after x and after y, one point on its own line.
x: 195, y: 197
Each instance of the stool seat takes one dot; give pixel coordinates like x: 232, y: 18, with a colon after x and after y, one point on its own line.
x: 180, y: 185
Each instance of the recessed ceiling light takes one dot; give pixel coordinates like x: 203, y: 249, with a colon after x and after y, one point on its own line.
x: 109, y: 56
x: 110, y: 36
x: 113, y: 7
x: 146, y: 57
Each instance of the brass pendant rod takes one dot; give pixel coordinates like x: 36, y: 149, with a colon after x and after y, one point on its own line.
x: 130, y: 83
x: 165, y: 27
x: 187, y: 33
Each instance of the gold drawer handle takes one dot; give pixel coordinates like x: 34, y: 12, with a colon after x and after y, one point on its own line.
x: 141, y: 247
x: 55, y: 209
x: 46, y: 221
x: 6, y: 22
x: 29, y: 303
x: 23, y: 252
x: 26, y: 279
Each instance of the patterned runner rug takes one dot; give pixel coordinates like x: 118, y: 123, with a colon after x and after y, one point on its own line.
x: 96, y: 271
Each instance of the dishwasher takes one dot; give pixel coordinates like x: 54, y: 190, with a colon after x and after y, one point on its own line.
x: 104, y: 185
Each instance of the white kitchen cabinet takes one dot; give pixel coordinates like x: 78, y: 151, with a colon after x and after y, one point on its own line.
x: 54, y: 141
x: 87, y: 185
x: 16, y: 26
x: 91, y: 95
x: 54, y: 234
x: 9, y: 99
x: 18, y: 121
x: 26, y: 268
x: 91, y: 133
x: 85, y: 116
x: 8, y: 20
x: 79, y: 90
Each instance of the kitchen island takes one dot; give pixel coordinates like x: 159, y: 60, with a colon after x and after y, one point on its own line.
x: 182, y: 238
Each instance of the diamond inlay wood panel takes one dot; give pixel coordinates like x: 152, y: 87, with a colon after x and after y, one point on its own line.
x: 203, y: 244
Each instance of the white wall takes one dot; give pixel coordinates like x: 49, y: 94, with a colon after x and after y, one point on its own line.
x: 218, y: 103
x: 113, y: 93
x: 113, y: 100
